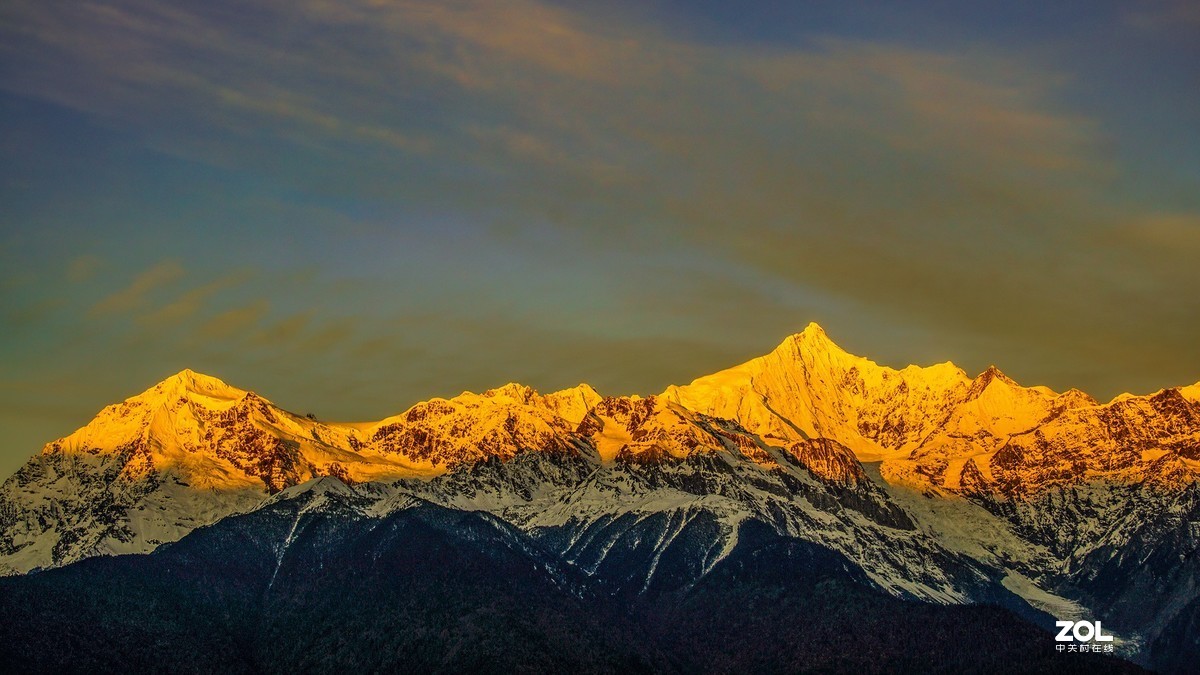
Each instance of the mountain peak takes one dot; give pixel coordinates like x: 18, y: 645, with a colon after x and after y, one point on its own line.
x: 189, y: 376
x: 813, y: 328
x: 514, y: 390
x: 812, y: 340
x: 188, y: 382
x: 993, y: 373
x: 1075, y: 398
x: 814, y: 335
x: 583, y: 389
x: 573, y: 404
x: 985, y: 379
x: 314, y: 489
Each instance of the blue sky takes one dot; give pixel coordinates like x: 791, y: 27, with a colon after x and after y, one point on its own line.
x: 351, y: 206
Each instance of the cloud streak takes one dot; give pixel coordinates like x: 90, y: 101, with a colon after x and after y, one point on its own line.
x: 234, y: 322
x: 133, y: 296
x: 191, y: 302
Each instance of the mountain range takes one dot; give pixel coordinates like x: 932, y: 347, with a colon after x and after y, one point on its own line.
x: 806, y: 510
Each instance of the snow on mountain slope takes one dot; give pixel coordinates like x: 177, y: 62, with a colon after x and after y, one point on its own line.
x: 572, y: 404
x: 1149, y: 439
x: 808, y: 387
x: 934, y: 427
x: 675, y: 492
x: 182, y: 454
x: 650, y: 504
x: 993, y: 410
x: 502, y: 422
x: 193, y: 449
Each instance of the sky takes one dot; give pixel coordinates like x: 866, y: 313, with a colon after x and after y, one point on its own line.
x: 349, y: 206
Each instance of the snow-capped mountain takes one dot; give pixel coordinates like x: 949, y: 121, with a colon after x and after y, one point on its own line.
x: 933, y: 485
x: 936, y: 427
x: 192, y: 450
x: 808, y: 387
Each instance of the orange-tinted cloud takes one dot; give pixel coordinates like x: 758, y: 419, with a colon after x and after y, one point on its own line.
x: 188, y: 304
x: 134, y: 295
x: 235, y: 321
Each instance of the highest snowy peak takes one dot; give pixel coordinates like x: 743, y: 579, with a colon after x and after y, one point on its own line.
x: 808, y: 387
x: 936, y: 427
x: 190, y: 384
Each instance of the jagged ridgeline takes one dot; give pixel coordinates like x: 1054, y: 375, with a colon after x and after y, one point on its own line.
x: 799, y: 498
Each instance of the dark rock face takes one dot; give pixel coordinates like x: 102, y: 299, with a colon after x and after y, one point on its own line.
x: 628, y: 412
x: 829, y: 461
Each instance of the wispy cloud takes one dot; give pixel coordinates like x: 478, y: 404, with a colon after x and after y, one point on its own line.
x: 135, y: 294
x: 538, y: 84
x: 191, y: 302
x: 280, y: 333
x: 234, y: 322
x: 330, y: 336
